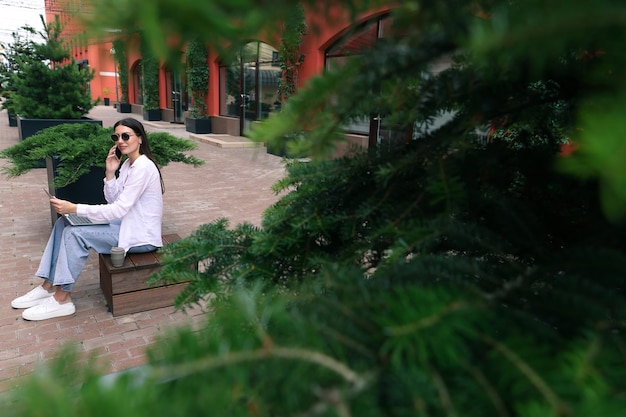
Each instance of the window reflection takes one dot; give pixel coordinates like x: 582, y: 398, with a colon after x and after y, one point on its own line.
x: 249, y: 84
x: 352, y: 44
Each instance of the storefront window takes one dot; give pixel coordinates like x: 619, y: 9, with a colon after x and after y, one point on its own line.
x: 249, y: 83
x: 176, y: 93
x: 350, y: 45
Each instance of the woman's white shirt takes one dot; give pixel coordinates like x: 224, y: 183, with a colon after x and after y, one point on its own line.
x: 136, y: 198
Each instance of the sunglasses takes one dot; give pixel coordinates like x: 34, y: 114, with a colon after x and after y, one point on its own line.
x: 125, y: 136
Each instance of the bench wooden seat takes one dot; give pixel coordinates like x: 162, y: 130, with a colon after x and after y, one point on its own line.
x: 125, y: 288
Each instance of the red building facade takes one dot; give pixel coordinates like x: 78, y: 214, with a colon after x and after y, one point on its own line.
x: 240, y: 92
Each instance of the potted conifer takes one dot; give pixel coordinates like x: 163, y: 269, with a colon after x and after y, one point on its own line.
x: 121, y: 61
x: 7, y: 104
x: 198, y: 120
x: 49, y: 63
x: 150, y: 70
x: 5, y: 89
x: 9, y: 66
x: 290, y: 60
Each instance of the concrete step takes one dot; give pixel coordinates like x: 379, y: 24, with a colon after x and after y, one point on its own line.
x: 225, y: 141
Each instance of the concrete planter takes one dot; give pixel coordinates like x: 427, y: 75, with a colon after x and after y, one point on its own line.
x: 152, y: 115
x: 124, y: 107
x: 86, y: 189
x: 200, y: 126
x: 28, y: 127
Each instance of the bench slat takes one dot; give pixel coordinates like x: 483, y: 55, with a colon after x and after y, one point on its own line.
x: 148, y: 299
x: 125, y: 288
x: 139, y: 260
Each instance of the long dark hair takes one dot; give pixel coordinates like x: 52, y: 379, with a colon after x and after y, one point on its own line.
x: 144, y: 147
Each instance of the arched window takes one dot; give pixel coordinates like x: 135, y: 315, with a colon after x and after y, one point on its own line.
x: 137, y: 77
x: 352, y: 44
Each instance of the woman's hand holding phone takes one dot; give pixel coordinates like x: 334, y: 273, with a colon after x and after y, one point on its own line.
x: 112, y: 162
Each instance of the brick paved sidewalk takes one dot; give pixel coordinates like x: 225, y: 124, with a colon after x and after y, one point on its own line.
x: 234, y: 183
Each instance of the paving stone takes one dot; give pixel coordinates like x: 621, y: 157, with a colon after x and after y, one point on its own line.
x: 235, y: 183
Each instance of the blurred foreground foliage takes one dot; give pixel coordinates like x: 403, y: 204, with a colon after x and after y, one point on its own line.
x: 453, y: 275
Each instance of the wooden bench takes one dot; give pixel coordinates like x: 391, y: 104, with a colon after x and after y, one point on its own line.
x: 125, y: 288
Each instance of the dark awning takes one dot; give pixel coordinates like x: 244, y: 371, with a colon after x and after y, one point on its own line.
x: 267, y: 77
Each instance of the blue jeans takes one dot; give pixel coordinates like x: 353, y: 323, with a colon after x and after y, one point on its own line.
x: 68, y: 249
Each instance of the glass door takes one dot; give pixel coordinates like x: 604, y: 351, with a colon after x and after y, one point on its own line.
x: 177, y: 97
x: 249, y: 85
x: 248, y: 97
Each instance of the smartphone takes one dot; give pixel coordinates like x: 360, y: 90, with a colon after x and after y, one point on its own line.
x: 47, y: 192
x: 118, y: 153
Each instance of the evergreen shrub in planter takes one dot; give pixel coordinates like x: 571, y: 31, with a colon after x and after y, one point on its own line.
x: 198, y: 120
x: 290, y: 60
x: 9, y: 66
x: 74, y: 151
x: 119, y: 47
x: 150, y: 69
x: 43, y: 65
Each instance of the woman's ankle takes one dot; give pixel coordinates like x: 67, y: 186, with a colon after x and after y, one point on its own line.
x: 62, y: 296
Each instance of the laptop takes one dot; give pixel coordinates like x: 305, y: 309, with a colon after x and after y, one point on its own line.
x: 76, y: 220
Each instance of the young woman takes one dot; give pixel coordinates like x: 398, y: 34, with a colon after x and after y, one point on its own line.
x: 134, y: 212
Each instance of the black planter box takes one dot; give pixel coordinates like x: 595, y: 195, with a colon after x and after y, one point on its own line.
x: 278, y: 150
x: 87, y: 189
x: 124, y: 108
x: 152, y: 115
x: 28, y: 127
x: 107, y: 101
x: 194, y: 125
x: 12, y: 119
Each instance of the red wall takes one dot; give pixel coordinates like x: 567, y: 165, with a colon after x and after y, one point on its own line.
x: 323, y: 30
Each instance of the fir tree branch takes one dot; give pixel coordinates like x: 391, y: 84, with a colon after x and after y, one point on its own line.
x: 328, y: 398
x: 490, y: 390
x: 559, y: 406
x: 189, y: 368
x: 444, y: 394
x: 428, y: 321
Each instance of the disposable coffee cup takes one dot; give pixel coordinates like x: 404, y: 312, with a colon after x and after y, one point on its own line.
x: 117, y: 256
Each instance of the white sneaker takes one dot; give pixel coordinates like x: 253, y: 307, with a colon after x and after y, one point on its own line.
x: 31, y: 298
x: 48, y: 309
